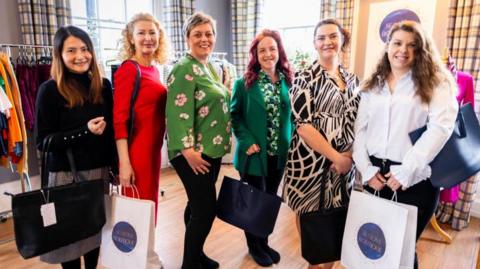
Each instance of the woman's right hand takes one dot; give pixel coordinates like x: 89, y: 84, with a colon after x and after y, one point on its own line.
x: 126, y: 175
x: 254, y: 148
x: 377, y: 182
x: 97, y: 125
x: 195, y: 160
x: 342, y: 164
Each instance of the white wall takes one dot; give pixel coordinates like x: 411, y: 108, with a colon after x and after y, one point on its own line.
x: 9, y: 22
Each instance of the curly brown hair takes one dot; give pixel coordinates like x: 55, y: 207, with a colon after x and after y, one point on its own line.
x: 428, y: 71
x: 128, y: 49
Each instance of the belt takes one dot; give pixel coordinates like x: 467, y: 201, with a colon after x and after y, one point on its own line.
x: 383, y: 164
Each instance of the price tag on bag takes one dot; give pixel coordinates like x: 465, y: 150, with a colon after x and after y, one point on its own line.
x: 48, y: 214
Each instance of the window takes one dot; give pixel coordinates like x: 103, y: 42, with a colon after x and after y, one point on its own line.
x: 104, y: 21
x: 295, y: 20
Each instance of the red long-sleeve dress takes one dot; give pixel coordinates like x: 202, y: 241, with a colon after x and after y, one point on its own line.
x: 149, y: 125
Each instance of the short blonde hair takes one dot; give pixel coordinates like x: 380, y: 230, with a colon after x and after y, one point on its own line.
x: 198, y: 18
x: 127, y: 49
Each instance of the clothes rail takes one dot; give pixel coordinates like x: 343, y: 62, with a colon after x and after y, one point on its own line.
x: 26, y: 186
x: 214, y: 55
x: 24, y: 45
x: 25, y: 178
x: 8, y: 47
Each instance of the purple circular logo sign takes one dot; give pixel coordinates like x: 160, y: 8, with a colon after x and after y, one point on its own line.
x: 371, y: 241
x: 394, y: 17
x: 124, y: 236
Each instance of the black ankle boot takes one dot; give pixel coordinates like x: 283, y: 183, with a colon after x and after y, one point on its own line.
x: 208, y: 263
x: 255, y: 250
x: 274, y: 255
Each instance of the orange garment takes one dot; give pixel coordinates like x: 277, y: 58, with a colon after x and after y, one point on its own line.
x: 16, y: 123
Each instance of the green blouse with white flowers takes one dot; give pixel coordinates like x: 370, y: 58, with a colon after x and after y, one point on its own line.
x: 271, y: 94
x: 197, y: 110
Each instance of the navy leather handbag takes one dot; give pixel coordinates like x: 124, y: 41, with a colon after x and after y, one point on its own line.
x: 247, y: 207
x: 459, y: 159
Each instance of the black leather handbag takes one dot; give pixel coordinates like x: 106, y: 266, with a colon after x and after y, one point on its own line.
x: 247, y: 207
x: 79, y: 209
x: 322, y: 231
x: 133, y: 99
x: 459, y: 159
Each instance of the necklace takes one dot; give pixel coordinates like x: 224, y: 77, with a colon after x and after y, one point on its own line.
x: 335, y: 76
x: 338, y: 80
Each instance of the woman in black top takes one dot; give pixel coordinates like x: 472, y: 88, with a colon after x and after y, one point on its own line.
x: 75, y: 106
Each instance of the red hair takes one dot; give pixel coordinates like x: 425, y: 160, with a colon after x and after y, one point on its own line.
x: 251, y: 74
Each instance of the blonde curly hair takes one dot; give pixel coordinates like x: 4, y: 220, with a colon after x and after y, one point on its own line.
x: 127, y: 49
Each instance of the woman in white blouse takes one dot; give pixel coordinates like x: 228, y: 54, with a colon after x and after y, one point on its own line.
x: 409, y: 89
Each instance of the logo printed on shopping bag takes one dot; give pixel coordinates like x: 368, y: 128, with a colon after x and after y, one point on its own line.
x: 371, y: 240
x: 124, y: 236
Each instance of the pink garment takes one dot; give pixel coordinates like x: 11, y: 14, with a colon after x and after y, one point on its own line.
x: 465, y: 95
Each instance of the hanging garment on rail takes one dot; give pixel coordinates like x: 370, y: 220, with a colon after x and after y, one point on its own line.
x: 17, y: 138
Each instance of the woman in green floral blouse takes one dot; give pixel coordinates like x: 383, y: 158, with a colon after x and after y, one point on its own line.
x: 198, y: 126
x: 261, y: 123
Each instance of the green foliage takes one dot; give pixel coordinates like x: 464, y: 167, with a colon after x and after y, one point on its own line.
x: 300, y: 60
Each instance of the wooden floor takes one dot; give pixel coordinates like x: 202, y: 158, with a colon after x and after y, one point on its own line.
x: 227, y: 244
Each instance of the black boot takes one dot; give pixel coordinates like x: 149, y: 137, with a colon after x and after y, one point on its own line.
x: 208, y: 263
x: 274, y: 255
x: 259, y: 255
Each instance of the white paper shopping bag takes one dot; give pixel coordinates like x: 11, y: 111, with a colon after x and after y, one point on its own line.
x: 409, y: 241
x: 129, y: 234
x: 378, y: 233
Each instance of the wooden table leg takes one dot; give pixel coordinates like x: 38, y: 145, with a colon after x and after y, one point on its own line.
x: 439, y: 230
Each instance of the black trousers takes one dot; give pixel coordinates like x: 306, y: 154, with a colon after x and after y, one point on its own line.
x: 201, y: 208
x: 272, y: 180
x: 90, y: 258
x: 422, y: 195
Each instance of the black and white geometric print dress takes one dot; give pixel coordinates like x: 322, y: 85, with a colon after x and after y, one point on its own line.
x: 317, y: 100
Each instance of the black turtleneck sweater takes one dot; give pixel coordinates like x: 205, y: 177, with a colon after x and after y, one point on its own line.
x: 69, y: 127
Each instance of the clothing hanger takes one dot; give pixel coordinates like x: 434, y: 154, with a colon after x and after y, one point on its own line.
x: 45, y: 58
x: 32, y: 58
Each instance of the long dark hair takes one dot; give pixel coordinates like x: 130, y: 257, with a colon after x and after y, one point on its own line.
x: 427, y: 69
x: 67, y: 87
x: 251, y: 74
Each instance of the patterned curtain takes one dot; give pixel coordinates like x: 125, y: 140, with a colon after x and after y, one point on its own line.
x: 463, y: 39
x: 246, y: 22
x: 175, y: 13
x: 341, y: 10
x: 40, y: 19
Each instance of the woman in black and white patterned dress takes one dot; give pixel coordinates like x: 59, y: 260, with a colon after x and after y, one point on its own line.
x: 324, y: 107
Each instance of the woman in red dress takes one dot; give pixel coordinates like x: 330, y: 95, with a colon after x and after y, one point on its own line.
x: 144, y: 44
